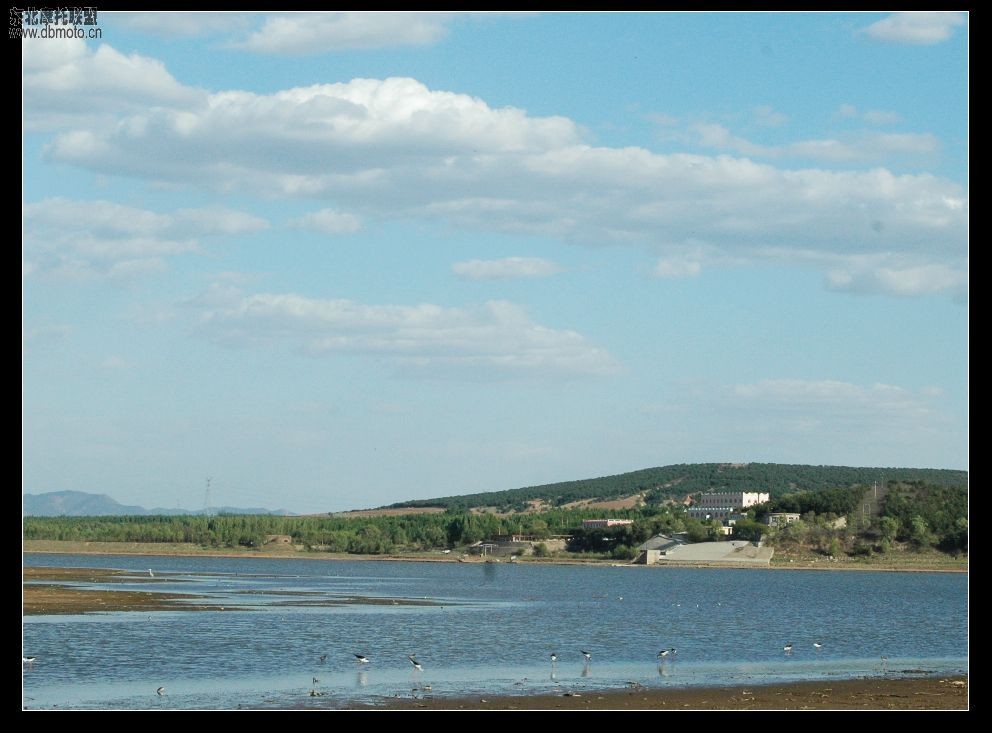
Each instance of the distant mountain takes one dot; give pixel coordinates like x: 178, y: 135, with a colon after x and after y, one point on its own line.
x: 82, y: 504
x: 656, y: 485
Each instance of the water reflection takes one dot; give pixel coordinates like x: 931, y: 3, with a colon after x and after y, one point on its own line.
x: 485, y: 639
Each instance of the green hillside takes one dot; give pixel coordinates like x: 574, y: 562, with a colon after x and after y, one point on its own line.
x: 675, y: 481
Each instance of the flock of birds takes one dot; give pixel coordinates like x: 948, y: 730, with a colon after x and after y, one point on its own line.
x: 418, y: 667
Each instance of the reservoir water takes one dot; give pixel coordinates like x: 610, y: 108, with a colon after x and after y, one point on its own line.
x: 477, y: 629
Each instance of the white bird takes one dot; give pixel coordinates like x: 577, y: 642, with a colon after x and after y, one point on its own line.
x: 160, y: 691
x: 416, y: 665
x: 817, y: 645
x: 588, y: 656
x: 787, y: 648
x: 554, y: 657
x: 150, y: 573
x: 28, y: 660
x: 664, y: 652
x: 362, y: 658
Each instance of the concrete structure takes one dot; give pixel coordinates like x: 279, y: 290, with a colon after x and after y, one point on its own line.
x: 601, y: 523
x: 736, y: 552
x: 722, y: 505
x: 778, y: 518
x: 661, y: 543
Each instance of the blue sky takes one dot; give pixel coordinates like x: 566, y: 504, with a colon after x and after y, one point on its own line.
x: 339, y: 260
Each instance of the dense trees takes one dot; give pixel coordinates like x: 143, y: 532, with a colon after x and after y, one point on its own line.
x: 670, y: 482
x: 918, y: 512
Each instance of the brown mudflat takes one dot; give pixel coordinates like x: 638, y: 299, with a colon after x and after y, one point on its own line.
x: 948, y: 693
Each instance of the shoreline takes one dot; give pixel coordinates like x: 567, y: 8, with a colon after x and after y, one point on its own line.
x: 105, y: 548
x: 48, y: 594
x: 895, y: 693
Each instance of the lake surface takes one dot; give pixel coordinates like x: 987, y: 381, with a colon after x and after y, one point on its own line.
x: 479, y: 629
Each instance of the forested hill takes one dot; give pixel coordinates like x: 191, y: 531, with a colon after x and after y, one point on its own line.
x: 667, y: 482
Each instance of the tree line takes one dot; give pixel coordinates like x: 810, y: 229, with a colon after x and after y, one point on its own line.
x: 670, y: 482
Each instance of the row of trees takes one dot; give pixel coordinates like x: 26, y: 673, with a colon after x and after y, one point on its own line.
x: 362, y: 535
x: 917, y: 512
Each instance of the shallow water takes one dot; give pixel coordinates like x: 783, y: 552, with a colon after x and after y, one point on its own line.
x: 479, y: 629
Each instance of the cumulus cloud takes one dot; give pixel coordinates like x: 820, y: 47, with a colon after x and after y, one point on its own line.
x: 509, y: 267
x: 917, y: 27
x: 85, y: 239
x: 393, y: 148
x: 497, y: 339
x: 70, y: 82
x: 329, y: 221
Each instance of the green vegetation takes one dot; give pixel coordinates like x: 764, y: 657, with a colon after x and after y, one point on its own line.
x: 671, y: 482
x: 905, y: 515
x: 909, y: 516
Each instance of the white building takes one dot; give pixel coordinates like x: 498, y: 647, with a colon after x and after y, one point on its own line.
x: 602, y: 523
x: 722, y: 505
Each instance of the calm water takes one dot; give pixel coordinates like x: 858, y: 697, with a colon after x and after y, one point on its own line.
x: 486, y: 629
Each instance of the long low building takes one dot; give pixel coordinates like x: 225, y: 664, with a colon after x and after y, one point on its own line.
x: 602, y: 523
x: 721, y: 505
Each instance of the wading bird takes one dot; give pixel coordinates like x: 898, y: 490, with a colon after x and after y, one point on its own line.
x: 588, y: 656
x: 362, y: 658
x: 416, y: 665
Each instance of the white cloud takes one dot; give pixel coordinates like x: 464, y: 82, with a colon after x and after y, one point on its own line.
x: 871, y: 116
x: 70, y: 82
x: 882, y: 117
x: 85, y: 239
x: 867, y: 146
x: 329, y: 221
x: 394, y: 149
x: 312, y: 33
x: 813, y: 421
x: 509, y: 267
x: 172, y: 24
x: 677, y: 267
x: 906, y: 280
x: 45, y: 331
x: 494, y: 340
x: 917, y: 27
x: 847, y: 110
x: 768, y: 117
